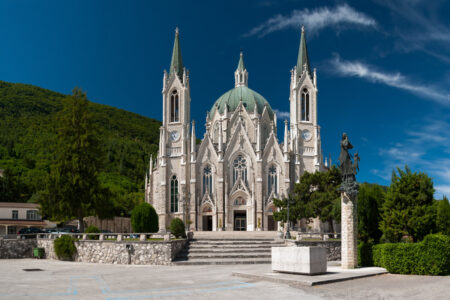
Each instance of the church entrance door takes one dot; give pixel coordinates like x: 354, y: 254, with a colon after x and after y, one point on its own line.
x: 270, y: 223
x: 240, y: 220
x: 207, y: 223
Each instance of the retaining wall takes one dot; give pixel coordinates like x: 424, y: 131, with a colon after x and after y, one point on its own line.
x: 17, y: 248
x: 116, y: 252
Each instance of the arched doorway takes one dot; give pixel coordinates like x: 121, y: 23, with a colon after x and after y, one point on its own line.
x: 240, y: 214
x: 271, y: 224
x: 207, y: 218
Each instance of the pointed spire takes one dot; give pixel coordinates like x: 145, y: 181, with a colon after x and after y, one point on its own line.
x: 241, y: 74
x: 241, y: 66
x: 176, y: 65
x: 303, y: 58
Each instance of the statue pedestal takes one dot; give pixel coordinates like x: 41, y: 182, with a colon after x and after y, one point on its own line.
x: 349, y: 231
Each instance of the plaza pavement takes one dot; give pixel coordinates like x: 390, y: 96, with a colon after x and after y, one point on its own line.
x: 69, y: 280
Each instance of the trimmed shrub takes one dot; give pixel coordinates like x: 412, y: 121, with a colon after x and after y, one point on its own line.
x: 65, y: 247
x: 365, y: 257
x: 144, y: 218
x: 92, y: 229
x: 429, y: 257
x: 177, y: 228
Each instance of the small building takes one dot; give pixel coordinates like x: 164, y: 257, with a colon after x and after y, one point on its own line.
x: 15, y: 216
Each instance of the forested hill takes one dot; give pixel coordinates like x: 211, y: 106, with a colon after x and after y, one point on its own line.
x: 28, y: 125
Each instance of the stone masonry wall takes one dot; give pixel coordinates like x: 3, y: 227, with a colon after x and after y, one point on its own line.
x: 333, y: 247
x: 114, y: 252
x: 17, y: 248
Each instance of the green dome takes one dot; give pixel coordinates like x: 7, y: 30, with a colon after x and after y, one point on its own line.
x: 249, y: 97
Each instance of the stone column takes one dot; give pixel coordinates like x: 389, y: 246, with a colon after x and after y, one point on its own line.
x: 349, y: 231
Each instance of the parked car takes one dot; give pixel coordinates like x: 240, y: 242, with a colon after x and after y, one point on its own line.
x: 28, y: 233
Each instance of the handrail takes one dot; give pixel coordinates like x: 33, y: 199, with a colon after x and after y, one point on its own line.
x: 108, y: 236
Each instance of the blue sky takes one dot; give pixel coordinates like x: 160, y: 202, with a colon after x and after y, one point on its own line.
x: 383, y: 66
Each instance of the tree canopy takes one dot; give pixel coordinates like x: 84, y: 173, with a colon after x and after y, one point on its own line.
x: 29, y: 127
x: 409, y: 208
x: 316, y: 195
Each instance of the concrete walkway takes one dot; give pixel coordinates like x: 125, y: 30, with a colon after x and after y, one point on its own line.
x: 69, y: 280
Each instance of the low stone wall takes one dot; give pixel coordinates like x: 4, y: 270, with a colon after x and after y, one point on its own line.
x: 116, y: 252
x: 17, y: 248
x: 333, y: 247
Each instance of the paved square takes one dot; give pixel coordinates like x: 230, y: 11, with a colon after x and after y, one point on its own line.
x: 68, y: 280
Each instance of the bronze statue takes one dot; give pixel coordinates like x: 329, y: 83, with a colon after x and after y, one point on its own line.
x: 349, y: 167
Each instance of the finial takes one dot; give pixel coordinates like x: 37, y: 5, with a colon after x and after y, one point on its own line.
x: 242, y: 53
x: 303, y: 29
x: 177, y: 31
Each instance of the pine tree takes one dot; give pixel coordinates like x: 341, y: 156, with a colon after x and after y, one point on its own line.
x: 370, y: 200
x: 73, y: 189
x: 408, y: 209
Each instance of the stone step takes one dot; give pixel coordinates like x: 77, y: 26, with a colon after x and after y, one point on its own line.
x: 234, y: 242
x: 227, y: 250
x: 234, y: 239
x: 223, y: 261
x: 246, y: 246
x: 228, y: 255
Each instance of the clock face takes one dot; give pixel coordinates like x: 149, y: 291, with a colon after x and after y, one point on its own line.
x: 174, y: 135
x: 306, y: 134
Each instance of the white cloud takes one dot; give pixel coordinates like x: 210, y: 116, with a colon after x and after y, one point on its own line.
x: 397, y: 80
x: 442, y: 190
x: 282, y: 114
x: 314, y: 20
x: 419, y: 28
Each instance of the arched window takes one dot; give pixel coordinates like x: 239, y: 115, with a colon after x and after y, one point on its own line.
x: 174, y: 107
x: 174, y: 194
x: 305, y: 105
x: 239, y: 169
x: 272, y: 180
x: 207, y: 180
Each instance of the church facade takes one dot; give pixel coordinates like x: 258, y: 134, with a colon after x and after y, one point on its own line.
x: 228, y: 181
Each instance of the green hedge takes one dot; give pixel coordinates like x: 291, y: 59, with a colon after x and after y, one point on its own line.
x: 65, y: 247
x: 177, y: 228
x: 429, y: 257
x: 92, y: 229
x: 144, y: 218
x: 365, y: 255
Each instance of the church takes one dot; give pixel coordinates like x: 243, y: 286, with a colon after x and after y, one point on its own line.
x: 228, y: 181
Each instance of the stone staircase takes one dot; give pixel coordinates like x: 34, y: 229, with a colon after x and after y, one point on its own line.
x: 227, y: 251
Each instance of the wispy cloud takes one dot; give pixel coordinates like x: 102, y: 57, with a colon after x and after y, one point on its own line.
x: 282, y: 114
x: 419, y: 28
x: 397, y: 80
x: 314, y: 20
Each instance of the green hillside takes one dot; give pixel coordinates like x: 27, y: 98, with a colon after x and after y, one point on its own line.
x: 28, y: 125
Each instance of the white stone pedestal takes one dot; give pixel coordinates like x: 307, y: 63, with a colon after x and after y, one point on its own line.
x: 349, y: 231
x: 302, y: 260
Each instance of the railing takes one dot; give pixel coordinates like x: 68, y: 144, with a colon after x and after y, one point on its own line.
x: 324, y: 236
x: 110, y: 236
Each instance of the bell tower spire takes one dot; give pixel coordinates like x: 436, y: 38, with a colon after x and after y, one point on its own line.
x: 241, y: 74
x: 176, y: 64
x: 303, y: 59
